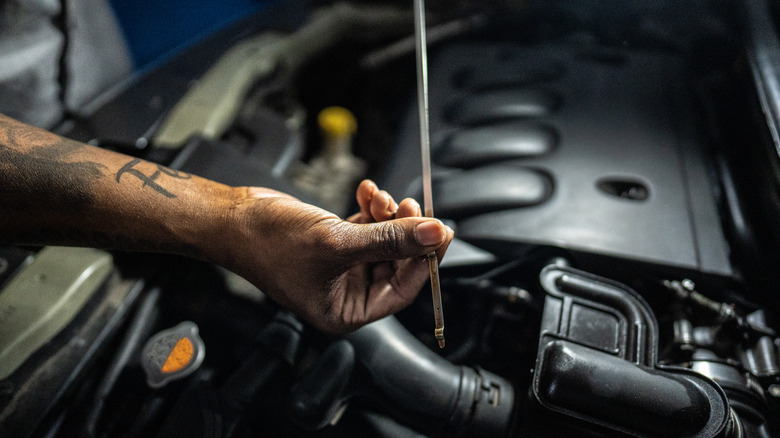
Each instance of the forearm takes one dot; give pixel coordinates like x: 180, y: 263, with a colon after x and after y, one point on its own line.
x: 336, y: 274
x: 58, y: 191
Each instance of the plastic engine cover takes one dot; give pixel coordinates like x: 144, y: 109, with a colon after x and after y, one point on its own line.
x: 598, y: 150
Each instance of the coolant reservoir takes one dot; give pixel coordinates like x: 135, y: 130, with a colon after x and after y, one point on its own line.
x: 332, y: 175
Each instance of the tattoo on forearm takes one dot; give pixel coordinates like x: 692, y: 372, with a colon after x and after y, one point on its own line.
x: 49, y: 189
x: 151, y: 180
x: 35, y: 174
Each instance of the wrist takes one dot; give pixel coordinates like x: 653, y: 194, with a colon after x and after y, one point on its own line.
x: 249, y: 233
x: 203, y: 226
x: 226, y: 223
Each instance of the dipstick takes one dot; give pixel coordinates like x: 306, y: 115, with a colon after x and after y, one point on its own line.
x: 438, y: 314
x: 425, y: 148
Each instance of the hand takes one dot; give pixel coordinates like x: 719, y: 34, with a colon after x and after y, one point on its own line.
x: 338, y: 275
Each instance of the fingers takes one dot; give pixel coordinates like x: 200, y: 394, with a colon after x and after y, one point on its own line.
x: 365, y: 193
x: 447, y: 240
x: 383, y: 207
x: 397, y: 288
x: 408, y: 208
x: 392, y: 240
x: 375, y: 205
x: 378, y: 206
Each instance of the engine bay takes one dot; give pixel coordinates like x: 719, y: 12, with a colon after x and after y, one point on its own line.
x: 611, y: 174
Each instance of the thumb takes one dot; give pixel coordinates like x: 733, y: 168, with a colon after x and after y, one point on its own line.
x: 396, y: 239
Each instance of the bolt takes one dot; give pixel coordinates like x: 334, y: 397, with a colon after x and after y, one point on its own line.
x: 774, y: 390
x: 688, y: 284
x: 727, y: 311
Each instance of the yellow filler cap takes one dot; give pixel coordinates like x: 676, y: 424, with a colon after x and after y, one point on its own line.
x: 336, y: 122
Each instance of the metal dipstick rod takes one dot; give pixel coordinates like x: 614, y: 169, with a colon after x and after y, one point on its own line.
x: 425, y: 145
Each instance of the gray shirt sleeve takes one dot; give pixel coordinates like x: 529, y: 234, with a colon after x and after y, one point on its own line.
x: 31, y: 48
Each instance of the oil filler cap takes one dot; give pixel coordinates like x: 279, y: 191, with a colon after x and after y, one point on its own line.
x: 172, y: 354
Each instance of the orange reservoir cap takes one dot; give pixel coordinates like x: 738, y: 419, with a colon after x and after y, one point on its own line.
x: 172, y: 354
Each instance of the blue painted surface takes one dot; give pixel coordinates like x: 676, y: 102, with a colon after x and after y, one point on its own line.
x: 157, y: 29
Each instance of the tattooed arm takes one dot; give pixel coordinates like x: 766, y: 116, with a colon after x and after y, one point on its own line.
x: 58, y: 191
x: 336, y: 274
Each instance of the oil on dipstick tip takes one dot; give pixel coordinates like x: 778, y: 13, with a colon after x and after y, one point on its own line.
x: 440, y: 336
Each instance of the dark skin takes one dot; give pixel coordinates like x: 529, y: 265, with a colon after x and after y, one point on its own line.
x: 336, y: 274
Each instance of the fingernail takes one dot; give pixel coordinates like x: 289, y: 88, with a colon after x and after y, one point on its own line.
x: 429, y: 233
x: 392, y: 208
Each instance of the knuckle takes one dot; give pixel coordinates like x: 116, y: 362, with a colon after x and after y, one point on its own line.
x: 390, y: 237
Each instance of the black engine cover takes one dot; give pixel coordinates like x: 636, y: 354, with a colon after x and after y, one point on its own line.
x: 571, y: 145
